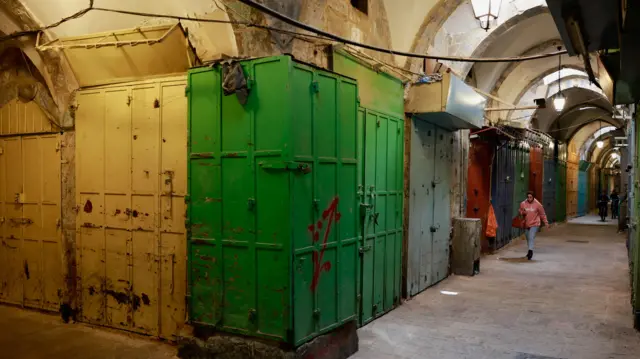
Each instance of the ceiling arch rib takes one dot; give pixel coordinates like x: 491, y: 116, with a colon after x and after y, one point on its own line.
x: 512, y: 83
x: 590, y: 142
x: 538, y: 89
x: 450, y: 28
x: 569, y: 82
x: 582, y: 106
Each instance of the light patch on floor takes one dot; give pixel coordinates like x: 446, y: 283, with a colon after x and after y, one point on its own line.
x: 570, y: 302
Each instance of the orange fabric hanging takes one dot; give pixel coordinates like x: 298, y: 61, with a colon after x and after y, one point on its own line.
x: 492, y: 223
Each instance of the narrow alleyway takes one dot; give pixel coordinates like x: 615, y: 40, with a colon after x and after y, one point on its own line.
x: 26, y: 334
x: 571, y: 301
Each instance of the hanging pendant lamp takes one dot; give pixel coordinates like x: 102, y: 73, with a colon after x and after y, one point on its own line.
x: 486, y: 12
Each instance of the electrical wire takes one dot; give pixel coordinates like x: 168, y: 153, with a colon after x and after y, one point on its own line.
x: 316, y: 33
x: 337, y: 38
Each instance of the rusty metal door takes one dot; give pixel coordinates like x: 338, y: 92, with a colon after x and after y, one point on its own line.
x: 131, y: 183
x: 30, y: 252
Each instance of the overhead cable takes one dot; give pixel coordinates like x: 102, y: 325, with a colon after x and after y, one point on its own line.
x: 337, y: 38
x: 317, y: 33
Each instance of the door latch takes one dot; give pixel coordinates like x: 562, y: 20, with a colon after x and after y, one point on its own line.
x: 365, y: 208
x: 375, y: 218
x: 364, y: 249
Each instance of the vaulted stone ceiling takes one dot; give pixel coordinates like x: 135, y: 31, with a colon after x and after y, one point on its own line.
x: 436, y: 27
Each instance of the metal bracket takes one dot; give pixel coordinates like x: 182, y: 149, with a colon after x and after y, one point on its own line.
x: 365, y: 208
x: 375, y: 218
x: 364, y: 249
x: 304, y: 168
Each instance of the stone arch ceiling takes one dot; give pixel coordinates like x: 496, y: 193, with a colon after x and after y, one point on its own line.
x: 564, y: 125
x: 580, y: 137
x: 538, y: 89
x: 593, y: 152
x: 450, y: 28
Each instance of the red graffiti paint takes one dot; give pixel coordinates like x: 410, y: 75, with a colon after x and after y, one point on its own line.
x: 329, y: 216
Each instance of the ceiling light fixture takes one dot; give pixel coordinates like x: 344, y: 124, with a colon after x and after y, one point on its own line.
x: 600, y: 143
x: 486, y: 11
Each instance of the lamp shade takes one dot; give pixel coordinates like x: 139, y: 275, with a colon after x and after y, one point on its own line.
x: 486, y: 11
x: 558, y: 103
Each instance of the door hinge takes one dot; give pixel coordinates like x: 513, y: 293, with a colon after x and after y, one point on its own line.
x: 186, y: 91
x: 315, y: 87
x: 251, y: 204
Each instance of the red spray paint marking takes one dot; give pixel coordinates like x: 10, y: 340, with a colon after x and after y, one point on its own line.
x: 329, y: 215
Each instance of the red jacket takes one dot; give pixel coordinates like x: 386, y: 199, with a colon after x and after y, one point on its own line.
x: 533, y: 212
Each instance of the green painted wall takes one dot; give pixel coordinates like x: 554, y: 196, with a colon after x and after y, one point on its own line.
x: 378, y: 91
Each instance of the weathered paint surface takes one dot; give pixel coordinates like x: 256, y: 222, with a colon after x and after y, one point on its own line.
x: 381, y: 203
x: 521, y: 183
x: 536, y: 172
x: 502, y: 191
x: 479, y: 185
x: 429, y: 218
x: 31, y: 271
x: 549, y: 200
x: 130, y: 188
x: 561, y: 190
x: 274, y: 217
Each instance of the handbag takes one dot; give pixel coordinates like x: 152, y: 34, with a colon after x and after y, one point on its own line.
x: 517, y: 222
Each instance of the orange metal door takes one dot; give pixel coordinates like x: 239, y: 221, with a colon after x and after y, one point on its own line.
x: 479, y: 184
x: 536, y: 175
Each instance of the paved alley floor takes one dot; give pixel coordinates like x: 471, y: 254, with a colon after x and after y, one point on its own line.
x: 571, y: 301
x: 594, y: 220
x: 26, y: 334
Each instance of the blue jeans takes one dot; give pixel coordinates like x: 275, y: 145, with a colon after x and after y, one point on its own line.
x: 531, y: 236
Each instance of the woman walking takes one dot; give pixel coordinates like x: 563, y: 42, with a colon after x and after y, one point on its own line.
x: 532, y: 212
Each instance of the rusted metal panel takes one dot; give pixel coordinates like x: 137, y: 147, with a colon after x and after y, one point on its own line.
x: 572, y: 189
x: 131, y: 185
x: 536, y: 172
x: 549, y: 200
x: 502, y: 191
x: 479, y: 185
x: 294, y: 203
x: 18, y: 117
x: 31, y: 272
x: 430, y: 214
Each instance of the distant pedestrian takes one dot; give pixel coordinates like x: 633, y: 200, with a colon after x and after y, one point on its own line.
x: 532, y: 212
x: 603, y: 202
x: 615, y: 204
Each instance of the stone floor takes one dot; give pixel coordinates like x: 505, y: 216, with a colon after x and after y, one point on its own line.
x: 571, y: 301
x: 594, y: 220
x: 27, y: 334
